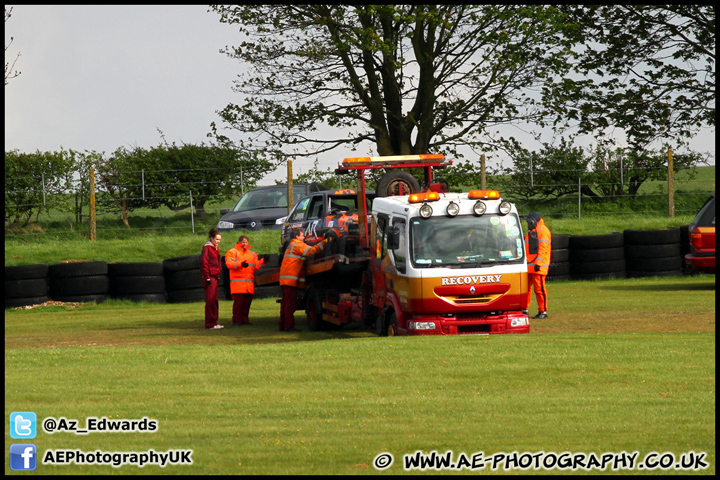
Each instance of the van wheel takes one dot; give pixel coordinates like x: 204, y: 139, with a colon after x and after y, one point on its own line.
x: 397, y: 183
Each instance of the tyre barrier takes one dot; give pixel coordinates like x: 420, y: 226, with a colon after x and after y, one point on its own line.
x: 653, y: 252
x: 183, y: 280
x: 137, y: 281
x: 79, y: 281
x: 632, y: 253
x: 26, y: 285
x: 597, y: 256
x: 559, y: 258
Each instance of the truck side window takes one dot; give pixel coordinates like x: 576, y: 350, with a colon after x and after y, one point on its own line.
x: 400, y: 254
x: 380, y: 235
x: 316, y: 207
x: 300, y: 209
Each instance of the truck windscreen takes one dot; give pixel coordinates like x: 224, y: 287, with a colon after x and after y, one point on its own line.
x: 466, y: 241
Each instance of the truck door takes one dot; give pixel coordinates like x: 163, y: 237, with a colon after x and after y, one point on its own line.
x: 397, y: 281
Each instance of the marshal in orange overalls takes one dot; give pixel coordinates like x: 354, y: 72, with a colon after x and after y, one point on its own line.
x: 292, y: 276
x: 242, y: 264
x: 538, y: 245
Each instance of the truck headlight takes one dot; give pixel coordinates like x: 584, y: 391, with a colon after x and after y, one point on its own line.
x: 421, y: 325
x: 280, y: 220
x: 519, y: 322
x: 453, y: 209
x: 505, y: 208
x: 426, y: 211
x: 479, y: 208
x: 225, y: 225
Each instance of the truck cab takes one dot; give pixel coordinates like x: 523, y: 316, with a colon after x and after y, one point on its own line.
x: 449, y: 263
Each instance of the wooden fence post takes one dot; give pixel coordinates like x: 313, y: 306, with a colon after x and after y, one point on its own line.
x: 93, y: 223
x: 671, y: 185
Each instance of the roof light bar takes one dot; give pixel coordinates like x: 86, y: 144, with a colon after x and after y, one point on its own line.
x: 424, y: 197
x: 396, y: 159
x: 484, y: 194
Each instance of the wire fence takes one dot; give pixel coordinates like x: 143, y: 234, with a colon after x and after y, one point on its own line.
x: 193, y: 204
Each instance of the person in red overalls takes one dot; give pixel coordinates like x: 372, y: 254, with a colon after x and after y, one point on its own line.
x: 242, y: 263
x: 292, y: 275
x: 538, y: 245
x: 210, y: 269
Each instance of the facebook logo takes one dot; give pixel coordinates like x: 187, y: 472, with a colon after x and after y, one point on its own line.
x: 23, y: 425
x: 23, y: 456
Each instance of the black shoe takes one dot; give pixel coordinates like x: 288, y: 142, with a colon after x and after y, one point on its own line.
x: 248, y: 323
x: 293, y: 330
x: 237, y: 324
x: 540, y: 315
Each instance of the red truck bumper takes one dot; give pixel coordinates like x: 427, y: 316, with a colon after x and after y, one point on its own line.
x: 509, y: 322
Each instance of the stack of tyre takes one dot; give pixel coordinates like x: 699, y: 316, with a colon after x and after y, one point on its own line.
x: 26, y: 285
x: 597, y: 256
x: 559, y: 258
x: 79, y: 281
x: 137, y: 281
x: 652, y: 253
x: 183, y: 280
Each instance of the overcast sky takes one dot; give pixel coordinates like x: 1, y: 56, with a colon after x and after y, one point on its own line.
x: 102, y: 77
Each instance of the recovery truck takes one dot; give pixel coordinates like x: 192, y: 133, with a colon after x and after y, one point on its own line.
x: 425, y: 262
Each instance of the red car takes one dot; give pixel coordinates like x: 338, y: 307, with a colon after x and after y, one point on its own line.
x: 702, y: 238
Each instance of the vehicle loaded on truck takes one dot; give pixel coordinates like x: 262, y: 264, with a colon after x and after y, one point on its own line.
x: 422, y: 261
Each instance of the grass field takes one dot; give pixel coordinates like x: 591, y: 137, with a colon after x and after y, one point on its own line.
x: 620, y: 365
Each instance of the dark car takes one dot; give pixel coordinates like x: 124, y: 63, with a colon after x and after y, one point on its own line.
x: 261, y: 207
x: 702, y: 238
x: 330, y: 209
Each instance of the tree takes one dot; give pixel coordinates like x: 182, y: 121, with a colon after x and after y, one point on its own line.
x: 206, y: 171
x: 78, y: 180
x: 10, y: 71
x: 648, y: 69
x: 550, y: 173
x: 120, y: 176
x: 604, y: 172
x: 637, y: 167
x: 410, y: 79
x: 34, y: 183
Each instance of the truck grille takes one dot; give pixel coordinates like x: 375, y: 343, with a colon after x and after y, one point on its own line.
x: 469, y: 299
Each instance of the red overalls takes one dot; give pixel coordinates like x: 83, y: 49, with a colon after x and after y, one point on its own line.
x: 210, y: 269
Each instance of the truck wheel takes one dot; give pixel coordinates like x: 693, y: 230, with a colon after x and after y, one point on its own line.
x: 313, y: 310
x: 381, y: 325
x: 392, y: 325
x: 397, y: 183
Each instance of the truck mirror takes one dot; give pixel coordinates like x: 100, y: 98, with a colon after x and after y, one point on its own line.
x: 393, y: 240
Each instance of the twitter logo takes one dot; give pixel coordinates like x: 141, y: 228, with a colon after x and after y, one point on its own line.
x: 23, y: 425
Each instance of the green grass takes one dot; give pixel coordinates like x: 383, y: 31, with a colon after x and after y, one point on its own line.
x: 620, y: 365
